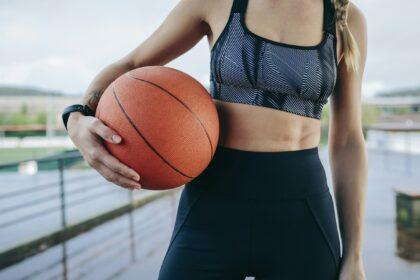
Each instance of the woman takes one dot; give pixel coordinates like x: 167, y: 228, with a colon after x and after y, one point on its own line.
x: 262, y: 208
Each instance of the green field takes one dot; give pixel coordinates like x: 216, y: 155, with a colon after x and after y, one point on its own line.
x: 18, y: 154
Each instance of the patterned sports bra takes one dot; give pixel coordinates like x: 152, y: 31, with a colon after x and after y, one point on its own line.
x: 249, y: 69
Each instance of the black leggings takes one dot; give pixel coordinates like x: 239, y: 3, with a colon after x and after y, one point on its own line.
x: 264, y: 214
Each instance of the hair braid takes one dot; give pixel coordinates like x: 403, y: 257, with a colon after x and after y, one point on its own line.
x: 350, y: 48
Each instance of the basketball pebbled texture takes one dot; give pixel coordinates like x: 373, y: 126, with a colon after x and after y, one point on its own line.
x: 168, y: 122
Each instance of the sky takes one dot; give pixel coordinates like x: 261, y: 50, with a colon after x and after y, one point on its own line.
x: 61, y: 45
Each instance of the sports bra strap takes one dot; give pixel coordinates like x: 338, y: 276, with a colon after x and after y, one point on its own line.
x: 239, y: 6
x: 329, y: 17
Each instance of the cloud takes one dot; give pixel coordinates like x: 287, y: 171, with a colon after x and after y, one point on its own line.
x: 18, y: 32
x: 53, y: 72
x: 63, y: 44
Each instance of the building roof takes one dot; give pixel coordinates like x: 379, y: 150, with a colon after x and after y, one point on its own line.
x: 394, y: 101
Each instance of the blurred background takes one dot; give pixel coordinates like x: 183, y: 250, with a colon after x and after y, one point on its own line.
x: 60, y: 220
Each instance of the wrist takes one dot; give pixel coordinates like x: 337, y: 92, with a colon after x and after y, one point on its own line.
x: 73, y: 118
x: 83, y: 109
x: 355, y: 255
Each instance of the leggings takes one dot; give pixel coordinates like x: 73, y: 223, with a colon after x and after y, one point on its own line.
x: 269, y: 215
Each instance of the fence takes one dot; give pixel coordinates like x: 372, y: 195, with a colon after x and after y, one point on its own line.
x: 48, y: 203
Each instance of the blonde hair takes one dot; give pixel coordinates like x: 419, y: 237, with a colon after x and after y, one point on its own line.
x: 350, y: 47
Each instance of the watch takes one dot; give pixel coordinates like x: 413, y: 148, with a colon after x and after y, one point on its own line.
x: 84, y: 109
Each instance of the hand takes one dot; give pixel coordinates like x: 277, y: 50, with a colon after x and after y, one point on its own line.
x: 352, y: 269
x: 87, y: 133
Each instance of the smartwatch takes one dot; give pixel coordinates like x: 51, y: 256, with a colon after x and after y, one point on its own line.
x: 84, y: 109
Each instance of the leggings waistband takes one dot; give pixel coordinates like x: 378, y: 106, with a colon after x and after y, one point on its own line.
x: 264, y: 175
x: 288, y: 153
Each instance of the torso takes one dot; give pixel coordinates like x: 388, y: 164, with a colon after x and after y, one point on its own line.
x: 259, y: 128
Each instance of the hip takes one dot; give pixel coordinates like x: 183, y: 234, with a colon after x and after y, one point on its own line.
x: 257, y: 175
x: 274, y: 206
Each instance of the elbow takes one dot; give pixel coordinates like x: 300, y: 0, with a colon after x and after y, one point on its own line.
x: 350, y: 140
x: 350, y: 151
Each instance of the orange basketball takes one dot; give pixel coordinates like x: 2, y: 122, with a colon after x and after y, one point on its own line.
x: 168, y: 123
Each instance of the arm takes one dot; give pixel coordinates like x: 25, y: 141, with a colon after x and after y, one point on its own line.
x: 180, y: 31
x: 347, y: 151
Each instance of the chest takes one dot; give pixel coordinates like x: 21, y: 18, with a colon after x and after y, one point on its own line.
x: 244, y: 60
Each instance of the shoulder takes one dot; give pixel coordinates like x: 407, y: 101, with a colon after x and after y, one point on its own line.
x: 356, y: 20
x: 215, y: 9
x: 203, y: 8
x: 193, y: 8
x: 357, y: 25
x: 212, y: 13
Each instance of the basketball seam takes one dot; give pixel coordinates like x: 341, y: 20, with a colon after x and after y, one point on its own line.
x: 142, y: 136
x: 183, y: 104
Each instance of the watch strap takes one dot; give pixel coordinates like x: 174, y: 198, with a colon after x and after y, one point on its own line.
x: 84, y: 109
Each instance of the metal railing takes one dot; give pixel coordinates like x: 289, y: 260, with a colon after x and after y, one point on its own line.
x: 67, y: 184
x: 408, y: 135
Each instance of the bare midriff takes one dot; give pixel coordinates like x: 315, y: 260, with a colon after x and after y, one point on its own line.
x: 253, y: 128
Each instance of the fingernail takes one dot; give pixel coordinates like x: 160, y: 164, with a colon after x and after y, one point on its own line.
x: 116, y: 138
x: 136, y: 177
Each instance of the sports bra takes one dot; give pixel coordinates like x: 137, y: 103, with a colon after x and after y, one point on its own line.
x: 249, y: 69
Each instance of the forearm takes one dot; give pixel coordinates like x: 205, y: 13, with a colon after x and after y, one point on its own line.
x: 102, y: 80
x: 98, y: 85
x: 349, y: 173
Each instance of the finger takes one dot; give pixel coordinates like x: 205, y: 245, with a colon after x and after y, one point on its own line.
x: 94, y: 158
x: 117, y: 178
x: 117, y: 166
x: 106, y: 133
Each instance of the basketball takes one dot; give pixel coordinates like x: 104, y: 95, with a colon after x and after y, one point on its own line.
x: 168, y: 123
